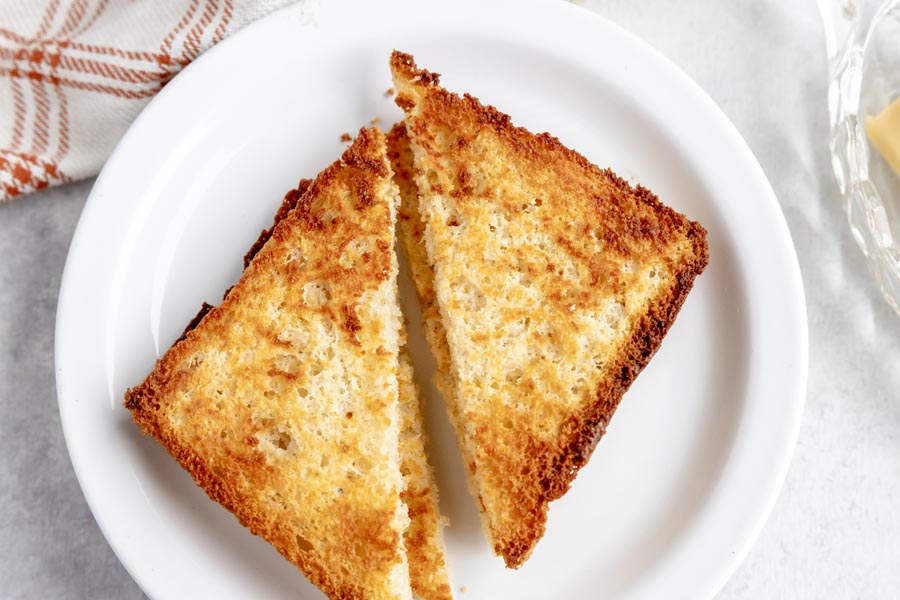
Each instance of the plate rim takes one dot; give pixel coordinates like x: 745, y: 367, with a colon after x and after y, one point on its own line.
x: 795, y: 295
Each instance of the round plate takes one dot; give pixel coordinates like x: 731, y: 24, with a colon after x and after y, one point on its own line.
x: 693, y: 461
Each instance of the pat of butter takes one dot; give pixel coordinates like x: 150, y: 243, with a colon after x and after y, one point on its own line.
x: 884, y: 133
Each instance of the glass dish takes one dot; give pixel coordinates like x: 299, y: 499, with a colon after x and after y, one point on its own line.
x: 862, y: 38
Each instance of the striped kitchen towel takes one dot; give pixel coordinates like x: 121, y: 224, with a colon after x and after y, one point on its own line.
x: 75, y: 73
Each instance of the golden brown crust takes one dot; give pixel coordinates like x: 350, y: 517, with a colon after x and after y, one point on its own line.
x: 288, y: 204
x: 583, y: 431
x: 217, y: 488
x: 542, y: 150
x: 581, y: 434
x: 233, y: 402
x: 603, y: 268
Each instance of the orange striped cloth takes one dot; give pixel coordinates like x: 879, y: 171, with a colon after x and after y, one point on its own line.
x: 75, y: 73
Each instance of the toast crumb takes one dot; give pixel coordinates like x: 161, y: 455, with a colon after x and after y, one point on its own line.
x: 346, y: 137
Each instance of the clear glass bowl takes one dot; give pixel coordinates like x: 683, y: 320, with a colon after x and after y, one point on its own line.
x: 863, y: 43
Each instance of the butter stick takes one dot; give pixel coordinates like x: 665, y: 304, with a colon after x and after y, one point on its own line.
x: 884, y: 133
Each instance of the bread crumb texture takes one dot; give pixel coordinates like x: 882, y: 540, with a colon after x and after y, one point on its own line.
x: 283, y: 401
x: 547, y: 284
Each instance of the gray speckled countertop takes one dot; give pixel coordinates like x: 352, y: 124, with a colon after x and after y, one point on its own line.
x: 835, y: 529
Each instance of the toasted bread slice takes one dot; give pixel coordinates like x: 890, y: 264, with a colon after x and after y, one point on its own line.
x: 283, y: 402
x: 555, y: 282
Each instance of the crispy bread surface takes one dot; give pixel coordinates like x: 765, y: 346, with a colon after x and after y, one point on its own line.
x: 283, y: 404
x: 554, y: 283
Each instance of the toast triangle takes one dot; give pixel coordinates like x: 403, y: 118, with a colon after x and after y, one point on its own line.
x: 283, y: 402
x: 547, y: 285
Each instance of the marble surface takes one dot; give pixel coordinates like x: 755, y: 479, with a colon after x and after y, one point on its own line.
x: 835, y: 531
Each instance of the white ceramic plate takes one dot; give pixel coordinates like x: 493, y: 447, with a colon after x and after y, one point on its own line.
x: 693, y: 461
